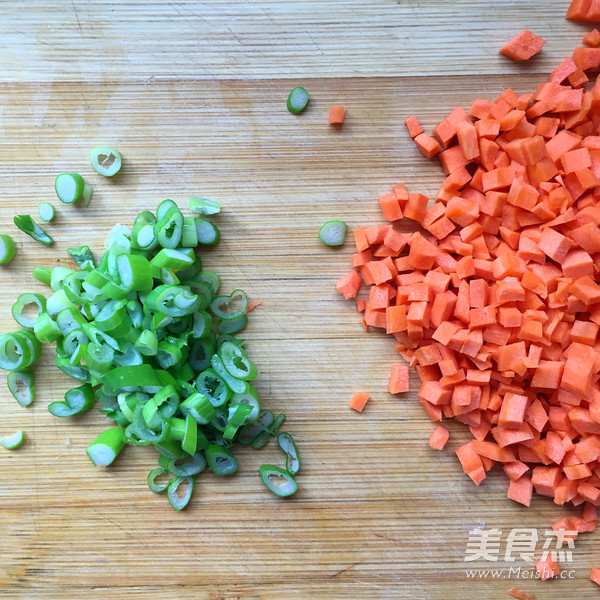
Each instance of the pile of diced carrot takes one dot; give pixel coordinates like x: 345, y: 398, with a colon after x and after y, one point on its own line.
x: 494, y: 298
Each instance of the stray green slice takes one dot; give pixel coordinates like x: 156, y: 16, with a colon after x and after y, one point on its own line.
x: 297, y: 100
x: 7, y: 248
x: 105, y: 160
x: 46, y: 211
x: 69, y: 187
x: 11, y: 442
x: 333, y: 233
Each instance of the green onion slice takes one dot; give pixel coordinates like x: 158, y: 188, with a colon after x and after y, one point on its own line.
x: 199, y: 407
x: 238, y: 415
x: 169, y: 228
x: 77, y: 400
x: 211, y: 385
x: 234, y: 384
x: 207, y: 232
x: 20, y: 385
x: 42, y: 274
x: 189, y: 235
x: 106, y: 447
x: 297, y: 100
x: 254, y: 432
x: 211, y: 279
x: 172, y: 259
x: 135, y: 272
x: 83, y: 256
x: 236, y: 361
x: 177, y: 501
x: 230, y: 307
x: 27, y: 225
x: 147, y: 343
x: 7, y: 248
x: 28, y: 308
x: 88, y: 191
x: 69, y: 187
x: 333, y: 233
x: 287, y: 444
x: 18, y: 350
x: 203, y: 206
x: 277, y: 423
x: 229, y: 326
x: 46, y: 211
x: 170, y: 449
x: 278, y: 480
x: 105, y: 160
x: 248, y: 396
x: 184, y: 466
x: 157, y: 488
x: 11, y: 442
x: 45, y: 329
x: 220, y: 460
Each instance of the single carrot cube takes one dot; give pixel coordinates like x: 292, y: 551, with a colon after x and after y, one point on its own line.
x: 390, y: 206
x: 399, y: 379
x: 545, y: 480
x: 547, y: 568
x: 359, y: 400
x: 349, y: 284
x: 512, y: 411
x: 592, y: 38
x: 337, y: 115
x: 520, y: 490
x: 427, y: 145
x: 523, y: 46
x: 439, y: 437
x: 413, y: 126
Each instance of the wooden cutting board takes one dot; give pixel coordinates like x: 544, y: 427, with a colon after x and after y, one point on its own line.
x: 193, y: 95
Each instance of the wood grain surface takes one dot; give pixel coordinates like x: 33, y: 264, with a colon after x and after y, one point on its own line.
x: 193, y: 94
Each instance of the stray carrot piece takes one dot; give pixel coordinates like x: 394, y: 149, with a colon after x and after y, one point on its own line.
x: 399, y: 380
x: 439, y: 437
x: 337, y: 115
x: 592, y: 38
x: 427, y: 145
x: 471, y: 462
x: 521, y: 490
x: 359, y: 400
x: 586, y: 58
x: 520, y: 594
x: 523, y: 46
x: 590, y: 512
x: 252, y: 304
x: 514, y: 470
x: 595, y: 575
x: 467, y: 139
x: 416, y: 207
x: 512, y: 411
x: 562, y: 71
x: 545, y: 479
x: 547, y: 568
x: 390, y: 206
x: 349, y: 284
x: 413, y: 126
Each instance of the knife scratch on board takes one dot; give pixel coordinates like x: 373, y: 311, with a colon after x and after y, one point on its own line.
x: 345, y: 569
x: 76, y: 13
